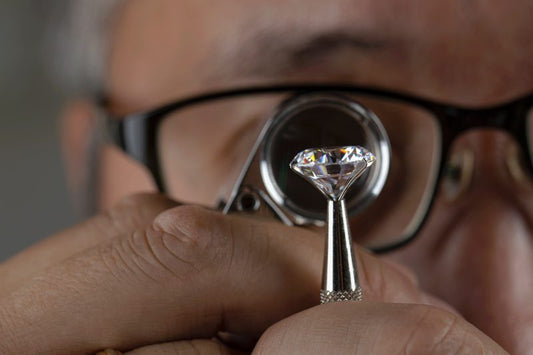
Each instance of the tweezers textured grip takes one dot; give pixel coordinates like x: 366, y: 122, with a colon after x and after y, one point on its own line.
x: 339, y: 296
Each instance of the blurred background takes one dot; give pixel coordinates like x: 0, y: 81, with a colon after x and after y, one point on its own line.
x: 34, y: 201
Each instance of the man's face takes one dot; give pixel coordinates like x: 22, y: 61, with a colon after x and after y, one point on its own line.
x: 476, y: 250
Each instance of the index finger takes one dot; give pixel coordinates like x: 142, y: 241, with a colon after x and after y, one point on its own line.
x: 129, y: 214
x: 189, y: 275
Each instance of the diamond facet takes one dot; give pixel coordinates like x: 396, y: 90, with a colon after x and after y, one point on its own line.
x: 332, y: 170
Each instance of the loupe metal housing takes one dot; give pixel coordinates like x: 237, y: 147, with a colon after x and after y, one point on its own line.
x: 267, y: 187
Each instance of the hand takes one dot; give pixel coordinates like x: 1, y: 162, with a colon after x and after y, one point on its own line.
x: 153, y: 272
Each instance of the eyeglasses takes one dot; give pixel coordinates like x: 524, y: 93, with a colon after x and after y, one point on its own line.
x: 231, y: 149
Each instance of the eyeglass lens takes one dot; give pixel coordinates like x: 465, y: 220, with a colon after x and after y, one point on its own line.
x: 203, y: 148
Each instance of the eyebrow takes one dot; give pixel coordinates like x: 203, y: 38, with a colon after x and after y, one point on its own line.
x: 270, y: 53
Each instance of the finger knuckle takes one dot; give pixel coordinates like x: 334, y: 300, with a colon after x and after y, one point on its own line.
x: 189, y: 224
x: 437, y: 331
x: 158, y: 251
x: 185, y: 235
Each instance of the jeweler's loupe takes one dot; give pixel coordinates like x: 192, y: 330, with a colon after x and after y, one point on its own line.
x: 267, y: 187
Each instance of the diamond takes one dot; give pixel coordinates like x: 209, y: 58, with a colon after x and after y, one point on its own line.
x: 332, y: 170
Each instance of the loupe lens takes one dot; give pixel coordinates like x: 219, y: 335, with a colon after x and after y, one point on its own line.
x: 313, y: 121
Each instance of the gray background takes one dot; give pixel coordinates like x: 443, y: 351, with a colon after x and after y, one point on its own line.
x: 34, y: 201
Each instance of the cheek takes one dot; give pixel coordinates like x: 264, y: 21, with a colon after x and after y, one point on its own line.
x: 120, y: 176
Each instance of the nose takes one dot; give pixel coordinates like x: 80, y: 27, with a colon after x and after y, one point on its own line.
x: 476, y: 251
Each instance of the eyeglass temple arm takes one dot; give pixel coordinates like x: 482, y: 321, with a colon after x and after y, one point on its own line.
x: 136, y: 137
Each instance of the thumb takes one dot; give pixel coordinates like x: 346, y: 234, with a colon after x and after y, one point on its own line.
x: 375, y: 328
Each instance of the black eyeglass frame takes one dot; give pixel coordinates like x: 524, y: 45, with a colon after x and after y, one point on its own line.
x: 136, y: 134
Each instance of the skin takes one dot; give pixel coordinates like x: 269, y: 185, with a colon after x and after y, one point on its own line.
x: 150, y: 276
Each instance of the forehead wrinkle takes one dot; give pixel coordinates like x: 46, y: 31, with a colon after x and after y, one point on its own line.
x: 332, y: 42
x: 270, y: 52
